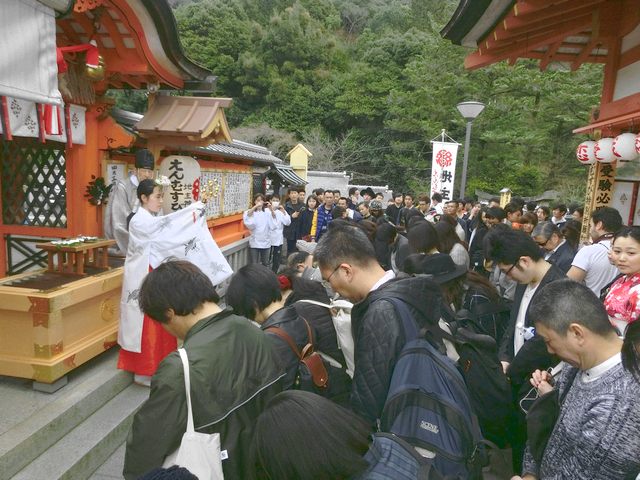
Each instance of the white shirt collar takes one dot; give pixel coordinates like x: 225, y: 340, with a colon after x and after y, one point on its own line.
x: 388, y: 275
x: 596, y: 372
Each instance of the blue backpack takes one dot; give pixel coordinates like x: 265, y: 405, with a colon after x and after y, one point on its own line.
x: 428, y: 405
x: 391, y: 457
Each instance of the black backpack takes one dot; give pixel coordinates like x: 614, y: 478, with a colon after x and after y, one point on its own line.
x: 428, y: 404
x: 489, y: 387
x: 490, y: 318
x: 317, y: 372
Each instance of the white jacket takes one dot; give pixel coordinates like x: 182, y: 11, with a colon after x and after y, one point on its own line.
x: 260, y: 224
x: 282, y: 220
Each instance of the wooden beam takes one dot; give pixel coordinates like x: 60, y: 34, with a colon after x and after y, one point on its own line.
x: 549, y: 54
x: 114, y: 34
x: 585, y: 53
x: 72, y: 36
x: 549, y: 14
x: 538, y: 39
x: 495, y: 40
x: 518, y: 49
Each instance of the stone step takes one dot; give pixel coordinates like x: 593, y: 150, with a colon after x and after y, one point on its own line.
x: 84, y: 449
x: 39, y: 420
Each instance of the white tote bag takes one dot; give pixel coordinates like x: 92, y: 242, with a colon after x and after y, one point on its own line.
x: 198, y: 452
x: 341, y: 316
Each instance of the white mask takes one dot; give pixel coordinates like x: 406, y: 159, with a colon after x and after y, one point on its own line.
x: 275, y: 204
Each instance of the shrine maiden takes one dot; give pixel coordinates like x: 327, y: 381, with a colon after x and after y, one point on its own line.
x: 152, y: 239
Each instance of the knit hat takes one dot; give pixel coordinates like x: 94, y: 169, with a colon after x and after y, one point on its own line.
x: 375, y: 205
x: 367, y: 191
x: 144, y: 159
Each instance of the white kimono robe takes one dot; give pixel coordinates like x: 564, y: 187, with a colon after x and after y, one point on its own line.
x: 182, y: 234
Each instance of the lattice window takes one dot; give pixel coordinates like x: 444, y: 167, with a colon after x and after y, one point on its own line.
x: 258, y: 185
x: 33, y: 183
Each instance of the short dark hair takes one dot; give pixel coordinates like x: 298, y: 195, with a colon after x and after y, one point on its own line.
x: 495, y: 212
x: 437, y: 197
x: 178, y: 285
x: 423, y: 238
x: 311, y: 197
x: 353, y: 190
x: 563, y: 302
x: 454, y: 200
x: 517, y: 201
x: 578, y: 209
x: 291, y: 419
x: 344, y: 244
x: 344, y: 198
x: 145, y: 187
x: 397, y: 194
x: 560, y: 206
x: 253, y: 288
x: 318, y: 191
x: 423, y: 197
x: 530, y: 218
x: 337, y: 212
x: 410, y: 195
x: 297, y: 257
x: 531, y: 206
x: 257, y: 196
x: 494, y: 200
x: 505, y: 245
x: 610, y: 218
x: 512, y: 207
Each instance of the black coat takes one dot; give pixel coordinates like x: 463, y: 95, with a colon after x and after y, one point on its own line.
x: 287, y: 319
x: 306, y: 220
x: 476, y: 248
x: 533, y: 355
x: 563, y: 257
x: 319, y: 317
x: 379, y: 338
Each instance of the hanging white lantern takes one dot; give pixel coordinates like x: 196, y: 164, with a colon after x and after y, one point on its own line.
x: 604, y: 150
x: 624, y: 146
x: 585, y: 154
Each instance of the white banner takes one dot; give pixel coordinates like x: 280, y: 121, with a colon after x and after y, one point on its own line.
x: 443, y: 168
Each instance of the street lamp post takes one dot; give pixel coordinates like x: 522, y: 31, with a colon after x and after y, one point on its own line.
x: 469, y: 111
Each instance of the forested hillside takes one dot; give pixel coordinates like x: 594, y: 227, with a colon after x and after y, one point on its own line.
x: 366, y: 84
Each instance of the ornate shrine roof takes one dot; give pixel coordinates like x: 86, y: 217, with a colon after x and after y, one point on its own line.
x: 138, y: 40
x: 559, y: 31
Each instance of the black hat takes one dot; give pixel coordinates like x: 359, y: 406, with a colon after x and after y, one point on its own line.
x: 144, y: 159
x: 442, y: 268
x: 368, y: 191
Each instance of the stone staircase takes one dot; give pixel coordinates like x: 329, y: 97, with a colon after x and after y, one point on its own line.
x: 71, y: 433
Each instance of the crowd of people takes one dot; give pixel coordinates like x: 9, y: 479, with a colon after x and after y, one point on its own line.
x: 293, y: 395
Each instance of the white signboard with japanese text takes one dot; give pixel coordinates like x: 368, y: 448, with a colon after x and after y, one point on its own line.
x: 114, y: 171
x: 443, y: 168
x: 183, y: 173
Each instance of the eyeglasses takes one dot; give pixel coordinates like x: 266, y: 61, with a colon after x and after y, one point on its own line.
x: 542, y: 244
x: 328, y: 279
x: 511, y: 268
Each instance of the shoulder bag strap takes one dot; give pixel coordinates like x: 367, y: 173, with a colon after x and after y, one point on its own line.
x: 187, y: 387
x: 287, y: 338
x: 314, y: 302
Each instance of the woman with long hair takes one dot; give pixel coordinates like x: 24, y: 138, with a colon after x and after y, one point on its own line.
x: 451, y: 244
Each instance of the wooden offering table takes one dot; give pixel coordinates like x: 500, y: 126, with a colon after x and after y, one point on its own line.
x: 72, y: 259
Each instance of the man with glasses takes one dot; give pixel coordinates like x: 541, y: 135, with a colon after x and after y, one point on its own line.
x: 521, y: 350
x: 556, y: 249
x: 348, y: 263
